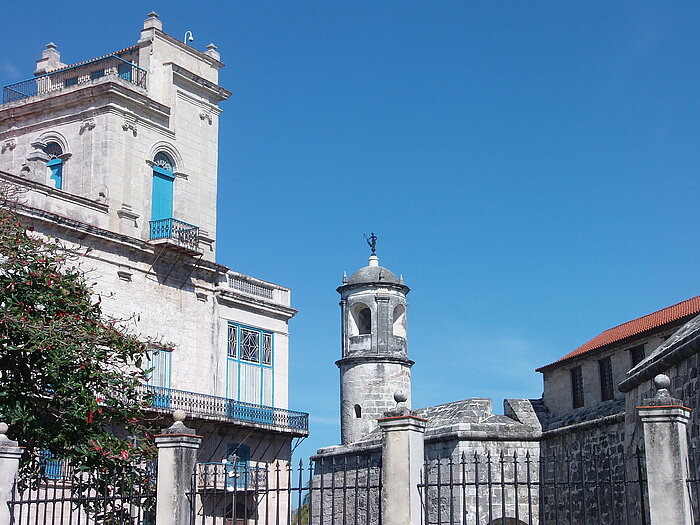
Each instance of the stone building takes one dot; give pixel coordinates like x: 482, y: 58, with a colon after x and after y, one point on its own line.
x: 118, y: 154
x: 583, y: 437
x: 374, y: 366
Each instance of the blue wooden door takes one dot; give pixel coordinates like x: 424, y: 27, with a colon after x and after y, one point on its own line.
x: 162, y: 195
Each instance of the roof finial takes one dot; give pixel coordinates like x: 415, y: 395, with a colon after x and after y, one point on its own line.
x: 345, y: 277
x: 372, y: 242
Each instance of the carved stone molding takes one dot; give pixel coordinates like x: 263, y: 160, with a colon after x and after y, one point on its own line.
x: 204, y: 115
x: 9, y: 144
x: 87, y: 124
x: 126, y: 126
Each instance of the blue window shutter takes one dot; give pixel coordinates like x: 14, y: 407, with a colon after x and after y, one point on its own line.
x: 124, y: 71
x: 56, y: 167
x: 162, y: 194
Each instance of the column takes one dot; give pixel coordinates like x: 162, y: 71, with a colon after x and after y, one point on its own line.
x: 402, y: 460
x: 177, y: 456
x: 664, y: 420
x: 9, y: 464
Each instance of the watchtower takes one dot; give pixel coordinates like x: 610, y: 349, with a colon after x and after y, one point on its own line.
x: 375, y: 361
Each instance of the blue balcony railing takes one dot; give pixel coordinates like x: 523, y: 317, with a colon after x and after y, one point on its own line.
x: 226, y: 476
x: 185, y: 234
x: 223, y: 409
x: 86, y: 73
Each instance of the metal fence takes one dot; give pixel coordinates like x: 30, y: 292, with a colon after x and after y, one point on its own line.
x: 63, y: 495
x: 325, y: 492
x: 508, y: 488
x: 694, y: 481
x: 85, y: 73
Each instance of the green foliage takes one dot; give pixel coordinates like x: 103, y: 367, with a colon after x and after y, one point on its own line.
x: 68, y: 375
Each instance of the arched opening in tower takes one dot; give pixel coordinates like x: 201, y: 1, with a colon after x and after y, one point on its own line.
x: 358, y: 412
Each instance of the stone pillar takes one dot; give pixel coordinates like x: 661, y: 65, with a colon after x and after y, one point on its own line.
x: 177, y: 456
x: 402, y: 460
x: 9, y: 464
x: 664, y: 420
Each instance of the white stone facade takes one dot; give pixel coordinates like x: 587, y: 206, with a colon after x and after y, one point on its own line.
x: 110, y: 118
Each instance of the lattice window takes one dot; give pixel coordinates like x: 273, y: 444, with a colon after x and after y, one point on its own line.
x: 606, y: 379
x: 232, y: 341
x: 636, y: 355
x: 250, y: 345
x: 267, y: 349
x: 163, y: 161
x: 577, y: 387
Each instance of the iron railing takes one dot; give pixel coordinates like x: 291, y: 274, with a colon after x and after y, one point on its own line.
x: 224, y: 409
x: 340, y: 491
x: 571, y: 488
x: 182, y: 232
x: 64, y: 494
x: 226, y: 475
x: 86, y: 73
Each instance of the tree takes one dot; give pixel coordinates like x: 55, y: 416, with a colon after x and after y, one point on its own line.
x: 69, y: 376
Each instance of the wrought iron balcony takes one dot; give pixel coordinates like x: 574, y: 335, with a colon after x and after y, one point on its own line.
x: 183, y: 234
x: 230, y: 476
x: 85, y: 73
x: 204, y: 406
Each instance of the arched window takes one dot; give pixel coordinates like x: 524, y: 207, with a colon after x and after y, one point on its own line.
x: 364, y: 321
x: 55, y: 163
x: 358, y: 412
x: 162, y: 192
x: 399, y: 321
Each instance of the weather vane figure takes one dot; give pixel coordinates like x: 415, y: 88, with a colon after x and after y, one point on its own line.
x: 371, y: 241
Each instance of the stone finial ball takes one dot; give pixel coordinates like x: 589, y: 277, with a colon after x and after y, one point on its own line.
x: 3, y: 428
x: 400, y: 396
x: 179, y: 415
x: 662, y: 381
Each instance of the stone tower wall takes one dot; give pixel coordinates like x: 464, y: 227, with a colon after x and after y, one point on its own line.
x: 369, y: 385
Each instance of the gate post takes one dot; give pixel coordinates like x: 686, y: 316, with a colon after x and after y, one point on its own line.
x: 9, y: 464
x: 177, y: 457
x: 664, y: 420
x: 402, y: 460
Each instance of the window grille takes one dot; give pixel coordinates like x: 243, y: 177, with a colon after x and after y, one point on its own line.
x: 577, y: 387
x: 636, y: 355
x: 249, y: 365
x: 232, y: 340
x: 267, y: 349
x: 606, y: 379
x: 250, y: 345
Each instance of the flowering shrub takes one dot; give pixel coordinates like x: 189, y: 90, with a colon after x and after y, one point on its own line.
x: 69, y: 376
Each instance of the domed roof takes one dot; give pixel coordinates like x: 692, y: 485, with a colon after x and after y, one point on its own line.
x: 373, y: 273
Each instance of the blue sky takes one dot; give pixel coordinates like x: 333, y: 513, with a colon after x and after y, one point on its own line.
x: 530, y: 168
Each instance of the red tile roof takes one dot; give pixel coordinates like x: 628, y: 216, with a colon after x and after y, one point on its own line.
x: 121, y: 51
x: 643, y: 324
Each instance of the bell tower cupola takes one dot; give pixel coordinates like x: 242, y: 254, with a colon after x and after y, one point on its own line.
x: 375, y: 362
